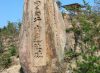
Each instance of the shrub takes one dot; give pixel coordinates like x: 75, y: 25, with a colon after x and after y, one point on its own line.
x: 12, y: 50
x: 5, y: 60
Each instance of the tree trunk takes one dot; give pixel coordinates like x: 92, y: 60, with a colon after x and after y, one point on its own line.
x: 42, y: 37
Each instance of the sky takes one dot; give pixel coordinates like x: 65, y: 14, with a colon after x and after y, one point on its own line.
x: 64, y: 2
x: 12, y: 10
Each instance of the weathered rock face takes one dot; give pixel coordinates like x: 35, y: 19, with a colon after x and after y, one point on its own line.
x: 42, y: 37
x: 70, y: 38
x: 12, y: 69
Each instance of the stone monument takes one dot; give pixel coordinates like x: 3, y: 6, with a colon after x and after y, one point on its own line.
x: 42, y: 37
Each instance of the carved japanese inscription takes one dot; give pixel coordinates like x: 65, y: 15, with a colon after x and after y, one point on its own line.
x: 37, y: 12
x: 38, y: 41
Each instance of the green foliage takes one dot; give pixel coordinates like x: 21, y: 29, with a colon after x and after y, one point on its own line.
x: 84, y: 2
x: 86, y: 27
x: 1, y: 47
x: 5, y: 60
x: 71, y: 54
x: 87, y: 31
x: 91, y: 64
x: 59, y: 3
x: 11, y: 29
x: 12, y: 50
x: 7, y: 34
